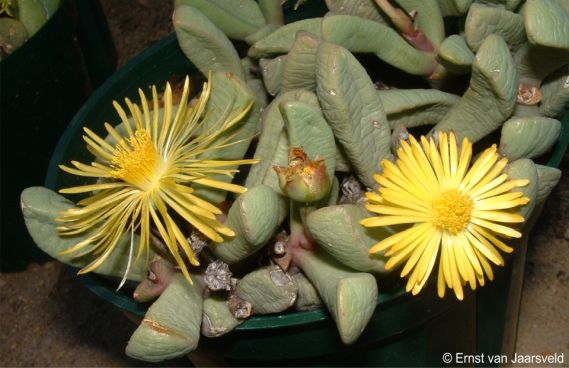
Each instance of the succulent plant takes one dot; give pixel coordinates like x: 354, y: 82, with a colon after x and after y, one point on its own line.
x: 20, y: 20
x: 333, y: 107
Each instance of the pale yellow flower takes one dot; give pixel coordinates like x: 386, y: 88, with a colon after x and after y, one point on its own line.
x: 147, y: 176
x: 455, y: 210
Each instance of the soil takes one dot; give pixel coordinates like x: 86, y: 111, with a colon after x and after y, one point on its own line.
x: 50, y: 319
x: 544, y: 320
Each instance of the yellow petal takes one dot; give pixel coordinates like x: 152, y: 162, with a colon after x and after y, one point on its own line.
x: 427, y: 262
x: 404, y: 236
x: 393, y: 210
x: 484, y: 247
x: 445, y: 155
x: 91, y: 188
x: 464, y: 261
x: 499, y: 229
x: 404, y: 200
x: 497, y: 242
x: 391, y: 220
x: 500, y: 216
x: 441, y: 286
x: 467, y: 247
x: 221, y: 185
x: 480, y: 168
x: 453, y: 154
x: 456, y: 282
x: 491, y: 175
x: 421, y: 249
x: 463, y: 161
x: 507, y: 186
x: 481, y: 189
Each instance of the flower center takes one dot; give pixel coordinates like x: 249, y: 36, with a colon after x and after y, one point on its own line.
x: 452, y: 211
x: 137, y: 162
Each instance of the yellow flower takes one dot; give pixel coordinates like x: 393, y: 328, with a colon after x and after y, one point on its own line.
x: 144, y: 179
x: 452, y: 208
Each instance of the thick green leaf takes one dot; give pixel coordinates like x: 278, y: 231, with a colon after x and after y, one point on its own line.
x: 512, y: 5
x: 204, y: 44
x: 547, y: 24
x: 217, y: 319
x: 334, y: 192
x: 534, y: 63
x: 229, y: 97
x: 486, y: 20
x: 350, y: 296
x: 398, y: 134
x: 353, y: 109
x: 342, y: 161
x: 268, y: 289
x: 13, y: 34
x: 237, y: 19
x: 300, y: 68
x: 307, y: 128
x: 162, y: 271
x: 362, y: 35
x: 41, y: 207
x: 281, y: 40
x: 548, y: 179
x: 254, y: 217
x: 34, y: 13
x: 272, y: 124
x: 547, y: 27
x: 261, y: 33
x: 280, y: 158
x: 258, y: 89
x: 555, y: 90
x: 247, y: 65
x: 337, y: 231
x: 454, y: 7
x: 308, y: 297
x: 491, y: 96
x: 171, y: 326
x: 455, y: 55
x: 415, y: 107
x: 272, y: 71
x: 526, y: 111
x: 528, y: 137
x: 524, y: 168
x: 428, y: 18
x: 272, y: 11
x: 360, y: 8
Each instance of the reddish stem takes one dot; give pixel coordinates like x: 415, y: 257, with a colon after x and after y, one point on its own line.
x: 406, y: 25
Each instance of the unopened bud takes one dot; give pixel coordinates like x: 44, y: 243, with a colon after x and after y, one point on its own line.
x: 303, y: 180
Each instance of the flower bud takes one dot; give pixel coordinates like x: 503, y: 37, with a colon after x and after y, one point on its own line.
x: 303, y: 180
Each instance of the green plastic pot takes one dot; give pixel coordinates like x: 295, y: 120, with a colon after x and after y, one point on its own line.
x: 43, y: 84
x: 405, y: 330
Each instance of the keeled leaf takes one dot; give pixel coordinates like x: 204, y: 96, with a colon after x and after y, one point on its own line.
x: 353, y: 109
x: 207, y: 47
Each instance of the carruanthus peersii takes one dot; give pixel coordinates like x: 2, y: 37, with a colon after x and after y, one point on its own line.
x: 457, y: 212
x: 144, y: 179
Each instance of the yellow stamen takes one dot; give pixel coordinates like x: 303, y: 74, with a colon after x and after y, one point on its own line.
x: 140, y: 164
x: 452, y: 211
